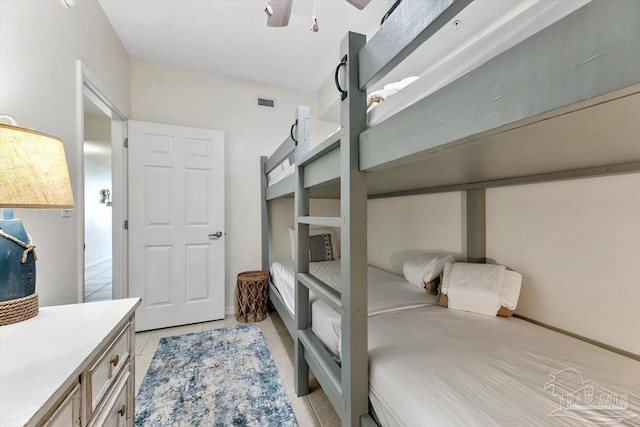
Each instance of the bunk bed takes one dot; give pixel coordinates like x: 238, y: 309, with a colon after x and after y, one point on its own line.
x: 562, y: 104
x: 387, y: 293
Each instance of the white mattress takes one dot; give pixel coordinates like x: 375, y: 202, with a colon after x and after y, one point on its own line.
x: 433, y: 366
x: 386, y: 293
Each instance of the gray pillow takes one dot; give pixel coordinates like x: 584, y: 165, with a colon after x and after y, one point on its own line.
x: 320, y: 248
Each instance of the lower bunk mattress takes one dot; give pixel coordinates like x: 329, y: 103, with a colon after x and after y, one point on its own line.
x: 386, y: 293
x: 433, y: 366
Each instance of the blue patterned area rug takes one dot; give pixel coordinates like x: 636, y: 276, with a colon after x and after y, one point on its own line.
x: 223, y: 377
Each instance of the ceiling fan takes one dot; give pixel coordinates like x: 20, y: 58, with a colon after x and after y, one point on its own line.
x: 279, y: 11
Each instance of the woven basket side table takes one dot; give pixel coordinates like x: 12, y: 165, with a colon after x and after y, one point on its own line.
x: 251, y: 296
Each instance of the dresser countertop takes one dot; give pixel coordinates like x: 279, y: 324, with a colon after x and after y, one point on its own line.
x: 42, y: 356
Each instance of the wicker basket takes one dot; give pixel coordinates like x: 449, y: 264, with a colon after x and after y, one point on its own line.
x: 19, y: 309
x: 251, y: 296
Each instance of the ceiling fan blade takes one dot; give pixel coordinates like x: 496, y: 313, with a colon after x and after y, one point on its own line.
x: 360, y: 4
x: 281, y: 13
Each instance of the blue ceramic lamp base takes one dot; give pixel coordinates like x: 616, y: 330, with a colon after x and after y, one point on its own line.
x: 18, y: 300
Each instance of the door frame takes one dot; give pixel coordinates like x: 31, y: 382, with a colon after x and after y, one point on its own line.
x: 88, y: 85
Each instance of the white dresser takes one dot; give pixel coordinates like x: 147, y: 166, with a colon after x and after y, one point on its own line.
x: 71, y: 365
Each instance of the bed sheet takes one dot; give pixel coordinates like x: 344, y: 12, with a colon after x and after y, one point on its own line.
x: 439, y: 367
x: 386, y: 293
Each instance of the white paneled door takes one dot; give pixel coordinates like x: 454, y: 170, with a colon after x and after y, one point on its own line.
x: 176, y: 224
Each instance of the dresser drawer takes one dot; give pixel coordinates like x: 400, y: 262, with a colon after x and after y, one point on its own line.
x: 117, y: 410
x: 68, y: 413
x: 104, y: 372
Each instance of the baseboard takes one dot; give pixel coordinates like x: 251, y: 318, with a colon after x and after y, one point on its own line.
x: 229, y: 311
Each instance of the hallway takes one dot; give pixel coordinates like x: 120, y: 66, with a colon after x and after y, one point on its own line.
x: 98, y: 282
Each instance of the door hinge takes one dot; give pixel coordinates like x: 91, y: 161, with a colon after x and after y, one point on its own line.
x: 126, y: 143
x: 126, y: 224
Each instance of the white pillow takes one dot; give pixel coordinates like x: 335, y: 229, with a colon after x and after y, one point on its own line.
x: 425, y: 268
x: 335, y: 244
x: 510, y: 289
x: 480, y: 288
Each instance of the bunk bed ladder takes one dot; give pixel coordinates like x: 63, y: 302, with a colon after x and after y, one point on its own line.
x: 346, y: 386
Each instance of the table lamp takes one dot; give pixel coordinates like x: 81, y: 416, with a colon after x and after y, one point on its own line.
x: 33, y: 174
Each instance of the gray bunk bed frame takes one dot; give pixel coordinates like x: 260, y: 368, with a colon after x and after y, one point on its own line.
x: 522, y: 117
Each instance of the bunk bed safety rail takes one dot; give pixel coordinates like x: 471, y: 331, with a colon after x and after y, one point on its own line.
x: 324, y: 367
x: 323, y: 170
x: 280, y: 189
x: 411, y: 24
x: 282, y: 153
x: 326, y: 221
x: 329, y: 144
x: 280, y: 306
x: 322, y: 291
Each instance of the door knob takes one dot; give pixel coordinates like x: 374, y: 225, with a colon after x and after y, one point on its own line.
x: 216, y: 235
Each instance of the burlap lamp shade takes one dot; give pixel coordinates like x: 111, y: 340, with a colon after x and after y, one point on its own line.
x: 33, y: 170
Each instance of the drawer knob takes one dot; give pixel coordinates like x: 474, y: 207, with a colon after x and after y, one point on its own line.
x: 122, y: 411
x: 115, y: 360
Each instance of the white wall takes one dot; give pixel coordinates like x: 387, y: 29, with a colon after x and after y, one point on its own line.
x: 328, y: 101
x: 193, y: 98
x: 577, y: 245
x: 97, y: 176
x: 97, y: 225
x: 40, y: 42
x: 97, y: 127
x: 399, y: 227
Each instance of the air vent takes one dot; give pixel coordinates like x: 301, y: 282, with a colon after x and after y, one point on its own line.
x: 265, y: 102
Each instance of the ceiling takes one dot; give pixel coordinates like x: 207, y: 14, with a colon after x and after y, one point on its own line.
x: 231, y: 37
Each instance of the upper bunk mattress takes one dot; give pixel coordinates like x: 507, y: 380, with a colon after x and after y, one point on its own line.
x: 433, y: 366
x: 450, y: 53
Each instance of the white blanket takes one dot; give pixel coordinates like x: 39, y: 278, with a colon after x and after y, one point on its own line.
x: 425, y: 268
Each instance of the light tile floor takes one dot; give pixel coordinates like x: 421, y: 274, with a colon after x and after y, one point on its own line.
x: 313, y: 410
x: 98, y: 282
